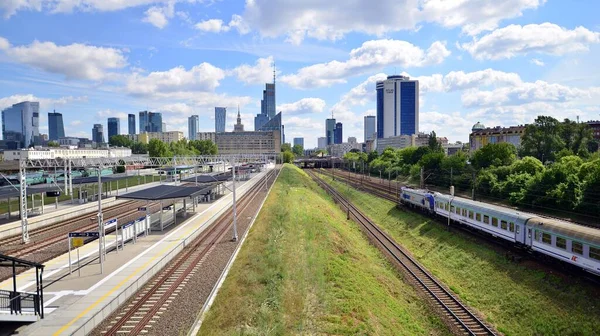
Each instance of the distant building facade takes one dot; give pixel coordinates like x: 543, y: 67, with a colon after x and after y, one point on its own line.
x: 193, y: 123
x: 150, y: 122
x: 595, y: 126
x: 481, y: 135
x: 168, y: 137
x: 53, y: 153
x: 206, y: 136
x: 238, y: 127
x: 220, y: 119
x: 257, y: 142
x: 114, y: 127
x: 68, y: 141
x: 397, y: 106
x: 131, y: 123
x: 369, y: 125
x: 395, y: 142
x: 299, y: 141
x: 98, y: 133
x: 322, y: 143
x: 338, y: 134
x: 330, y: 130
x: 56, y: 127
x: 20, y: 125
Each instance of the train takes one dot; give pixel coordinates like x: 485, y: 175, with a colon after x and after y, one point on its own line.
x: 575, y: 244
x: 41, y: 177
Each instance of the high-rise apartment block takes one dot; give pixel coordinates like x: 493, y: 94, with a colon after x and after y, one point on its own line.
x: 131, y: 123
x: 56, y: 127
x: 370, y: 124
x: 114, y: 127
x: 20, y: 125
x: 193, y: 123
x: 397, y: 106
x: 150, y: 122
x: 220, y: 119
x: 98, y: 133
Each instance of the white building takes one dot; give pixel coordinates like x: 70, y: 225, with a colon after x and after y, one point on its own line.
x: 65, y: 153
x: 338, y: 150
x: 206, y: 136
x: 322, y: 143
x: 68, y: 141
x: 145, y: 137
x: 396, y: 142
x: 397, y: 106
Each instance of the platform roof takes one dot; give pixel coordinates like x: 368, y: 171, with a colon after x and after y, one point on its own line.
x: 176, y: 167
x: 209, y: 178
x: 9, y: 191
x: 164, y: 192
x: 105, y: 178
x: 6, y: 261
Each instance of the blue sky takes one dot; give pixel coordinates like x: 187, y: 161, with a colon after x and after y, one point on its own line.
x: 498, y: 62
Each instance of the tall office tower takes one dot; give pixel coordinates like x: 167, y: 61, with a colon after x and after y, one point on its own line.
x: 151, y: 122
x: 193, y: 123
x: 337, y: 133
x: 322, y: 142
x: 397, y: 106
x: 299, y: 141
x: 56, y: 127
x: 131, y: 123
x: 98, y: 133
x: 329, y: 130
x: 220, y: 119
x: 267, y: 105
x: 114, y: 127
x: 20, y: 125
x: 369, y: 128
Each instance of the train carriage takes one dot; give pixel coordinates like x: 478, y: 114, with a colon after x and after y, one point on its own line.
x: 421, y: 199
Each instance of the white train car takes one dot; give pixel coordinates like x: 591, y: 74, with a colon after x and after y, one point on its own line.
x: 422, y: 199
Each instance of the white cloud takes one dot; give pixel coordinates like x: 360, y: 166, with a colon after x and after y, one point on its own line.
x: 459, y: 80
x: 369, y: 57
x: 111, y: 114
x: 261, y: 72
x: 45, y: 103
x: 75, y: 123
x: 75, y: 61
x: 449, y: 125
x: 159, y: 16
x: 212, y: 26
x: 537, y: 62
x: 332, y: 20
x: 545, y: 38
x: 238, y: 23
x: 361, y: 94
x: 303, y: 106
x: 201, y: 78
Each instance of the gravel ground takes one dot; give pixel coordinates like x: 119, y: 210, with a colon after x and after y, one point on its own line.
x: 182, y: 312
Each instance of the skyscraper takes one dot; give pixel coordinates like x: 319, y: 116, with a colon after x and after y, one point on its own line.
x: 267, y: 105
x: 329, y: 130
x: 164, y: 127
x: 114, y: 127
x: 299, y: 141
x: 337, y: 134
x: 369, y: 128
x: 131, y: 123
x: 56, y: 128
x: 150, y: 122
x: 20, y: 125
x: 98, y: 133
x: 220, y: 118
x: 397, y: 106
x: 238, y: 127
x: 193, y: 123
x: 322, y: 142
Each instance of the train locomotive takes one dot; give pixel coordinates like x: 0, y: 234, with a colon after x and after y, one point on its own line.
x: 572, y: 243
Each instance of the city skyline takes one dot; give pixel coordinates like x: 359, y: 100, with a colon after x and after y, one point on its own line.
x: 470, y: 67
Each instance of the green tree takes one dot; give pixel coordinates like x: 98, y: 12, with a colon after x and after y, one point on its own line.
x: 204, y: 147
x: 52, y: 144
x: 372, y: 156
x: 182, y: 148
x: 433, y: 144
x: 288, y: 156
x: 542, y: 139
x: 120, y: 141
x: 139, y: 148
x: 286, y: 147
x: 157, y: 148
x: 320, y: 152
x: 298, y: 150
x: 497, y: 154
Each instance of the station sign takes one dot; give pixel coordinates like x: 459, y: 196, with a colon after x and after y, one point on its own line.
x: 84, y: 234
x: 77, y: 242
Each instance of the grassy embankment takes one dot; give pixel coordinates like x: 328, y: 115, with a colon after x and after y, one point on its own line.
x: 516, y: 299
x: 305, y: 269
x: 130, y: 182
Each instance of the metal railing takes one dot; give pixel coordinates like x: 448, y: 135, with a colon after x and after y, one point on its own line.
x: 17, y: 302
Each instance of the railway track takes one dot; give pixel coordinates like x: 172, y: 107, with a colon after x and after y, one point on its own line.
x: 462, y: 319
x: 141, y: 314
x: 374, y: 188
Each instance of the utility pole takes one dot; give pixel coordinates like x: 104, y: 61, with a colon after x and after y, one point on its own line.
x: 422, y: 179
x: 473, y: 190
x: 235, y: 233
x: 100, y: 221
x: 451, y: 173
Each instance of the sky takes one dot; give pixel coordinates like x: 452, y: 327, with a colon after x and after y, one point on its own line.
x: 500, y: 62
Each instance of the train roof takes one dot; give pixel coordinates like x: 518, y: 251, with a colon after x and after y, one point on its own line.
x: 568, y: 229
x: 517, y: 213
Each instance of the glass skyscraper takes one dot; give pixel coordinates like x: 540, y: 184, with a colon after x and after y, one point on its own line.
x: 98, y: 133
x: 56, y: 127
x: 329, y: 130
x: 337, y: 133
x: 131, y: 123
x: 193, y: 123
x: 220, y: 118
x: 267, y: 106
x: 369, y: 128
x: 114, y: 127
x: 299, y: 141
x: 397, y: 106
x: 20, y: 125
x: 150, y: 122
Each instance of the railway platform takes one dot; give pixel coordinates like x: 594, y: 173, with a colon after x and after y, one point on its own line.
x: 75, y: 303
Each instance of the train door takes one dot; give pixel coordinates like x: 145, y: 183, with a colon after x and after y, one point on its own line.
x: 529, y: 235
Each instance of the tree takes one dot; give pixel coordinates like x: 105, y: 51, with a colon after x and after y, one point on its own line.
x: 496, y: 154
x: 433, y: 144
x: 298, y: 150
x: 139, y: 148
x: 286, y: 147
x: 288, y: 157
x: 120, y: 141
x: 320, y: 153
x: 53, y: 144
x: 204, y: 147
x: 372, y: 156
x: 157, y: 148
x: 542, y: 139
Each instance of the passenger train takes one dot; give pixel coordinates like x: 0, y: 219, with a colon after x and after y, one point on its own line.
x: 575, y: 244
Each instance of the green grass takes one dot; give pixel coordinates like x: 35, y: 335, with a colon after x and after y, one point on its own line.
x: 305, y: 269
x: 131, y: 182
x: 516, y: 299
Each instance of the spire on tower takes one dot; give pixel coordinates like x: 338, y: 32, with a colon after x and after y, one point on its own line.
x: 274, y: 72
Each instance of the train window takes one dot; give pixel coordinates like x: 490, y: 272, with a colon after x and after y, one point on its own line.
x: 437, y: 205
x: 478, y: 217
x: 470, y: 214
x: 503, y: 225
x: 538, y: 235
x: 511, y: 227
x: 577, y: 247
x: 595, y: 253
x: 447, y: 206
x: 495, y: 221
x: 464, y: 212
x: 546, y: 238
x: 561, y: 243
x: 452, y: 208
x: 458, y: 210
x: 486, y: 219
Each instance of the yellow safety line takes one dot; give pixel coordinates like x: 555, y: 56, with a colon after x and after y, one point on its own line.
x: 103, y: 297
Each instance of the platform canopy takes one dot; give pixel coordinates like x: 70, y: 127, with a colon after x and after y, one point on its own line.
x: 208, y: 178
x: 105, y: 178
x: 10, y: 191
x: 164, y: 192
